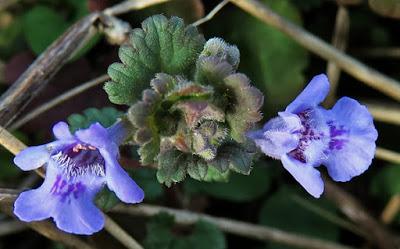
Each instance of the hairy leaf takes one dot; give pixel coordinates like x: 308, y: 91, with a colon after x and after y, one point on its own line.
x: 162, y: 45
x: 171, y: 167
x: 244, y: 112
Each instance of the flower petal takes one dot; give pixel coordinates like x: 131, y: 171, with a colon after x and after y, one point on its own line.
x: 27, y: 206
x: 61, y: 131
x: 306, y: 175
x: 77, y: 213
x: 279, y: 135
x: 95, y: 135
x: 357, y: 150
x: 120, y: 182
x: 314, y: 93
x: 32, y: 157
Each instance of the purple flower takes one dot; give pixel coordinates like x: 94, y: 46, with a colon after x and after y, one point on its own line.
x: 77, y: 167
x: 306, y: 135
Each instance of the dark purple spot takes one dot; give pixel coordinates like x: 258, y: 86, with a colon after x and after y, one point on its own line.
x: 337, y: 135
x: 73, y: 189
x: 307, y: 135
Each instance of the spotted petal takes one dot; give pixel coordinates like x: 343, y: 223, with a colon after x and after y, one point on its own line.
x: 357, y: 144
x: 305, y: 174
x: 68, y: 201
x: 26, y: 206
x: 314, y: 93
x: 77, y: 213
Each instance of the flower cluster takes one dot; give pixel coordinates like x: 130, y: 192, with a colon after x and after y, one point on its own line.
x: 306, y: 135
x: 77, y: 167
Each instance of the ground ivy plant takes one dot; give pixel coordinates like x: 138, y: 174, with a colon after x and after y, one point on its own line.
x: 189, y: 113
x: 189, y: 107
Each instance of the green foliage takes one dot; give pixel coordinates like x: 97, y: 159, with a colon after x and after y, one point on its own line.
x: 106, y: 199
x: 10, y: 31
x: 162, y: 234
x: 171, y: 167
x: 105, y: 116
x: 386, y: 183
x: 246, y: 112
x: 41, y: 26
x: 282, y: 211
x: 147, y: 180
x: 162, y: 45
x: 239, y: 188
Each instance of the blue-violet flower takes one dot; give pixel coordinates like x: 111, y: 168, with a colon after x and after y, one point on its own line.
x: 306, y: 135
x: 77, y: 167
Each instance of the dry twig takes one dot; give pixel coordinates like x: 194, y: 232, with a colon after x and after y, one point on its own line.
x: 212, y: 13
x: 247, y: 230
x: 391, y: 209
x: 58, y: 100
x: 378, y: 234
x: 42, y: 70
x: 385, y: 113
x: 358, y: 70
x: 387, y: 155
x: 114, y: 229
x: 339, y: 41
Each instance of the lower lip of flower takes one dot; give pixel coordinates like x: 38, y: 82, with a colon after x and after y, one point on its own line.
x: 78, y: 159
x: 337, y: 136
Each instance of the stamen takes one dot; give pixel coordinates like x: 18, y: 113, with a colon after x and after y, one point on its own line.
x: 79, y: 159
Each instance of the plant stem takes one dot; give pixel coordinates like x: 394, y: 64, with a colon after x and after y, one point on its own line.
x: 244, y: 229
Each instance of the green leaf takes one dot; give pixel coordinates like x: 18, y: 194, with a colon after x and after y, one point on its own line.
x: 235, y: 157
x: 105, y: 116
x: 106, y: 199
x: 240, y: 188
x: 41, y: 26
x: 171, y: 167
x: 197, y: 168
x: 10, y: 32
x: 214, y: 175
x: 149, y: 151
x: 81, y: 8
x: 162, y: 45
x: 389, y: 8
x: 282, y: 211
x: 245, y: 112
x: 386, y: 183
x: 147, y: 180
x: 161, y: 234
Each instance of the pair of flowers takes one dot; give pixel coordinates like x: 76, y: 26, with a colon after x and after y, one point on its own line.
x: 303, y: 137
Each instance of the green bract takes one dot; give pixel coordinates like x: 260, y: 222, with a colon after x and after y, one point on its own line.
x: 193, y: 117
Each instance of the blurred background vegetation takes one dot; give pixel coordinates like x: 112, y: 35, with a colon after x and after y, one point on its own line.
x: 275, y: 64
